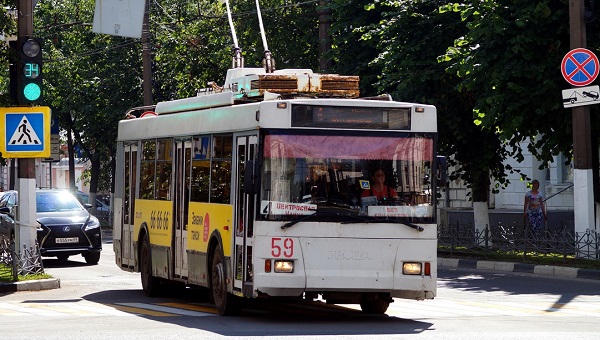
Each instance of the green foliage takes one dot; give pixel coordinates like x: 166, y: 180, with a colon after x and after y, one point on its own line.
x: 510, y: 58
x: 8, y: 27
x: 491, y: 67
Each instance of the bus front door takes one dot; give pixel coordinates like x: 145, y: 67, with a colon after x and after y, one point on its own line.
x: 246, y: 149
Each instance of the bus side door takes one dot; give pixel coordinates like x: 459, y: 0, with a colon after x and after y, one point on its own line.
x: 244, y: 204
x: 181, y: 186
x: 127, y: 207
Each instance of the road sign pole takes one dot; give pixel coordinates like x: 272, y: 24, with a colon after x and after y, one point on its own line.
x: 26, y: 180
x: 583, y: 190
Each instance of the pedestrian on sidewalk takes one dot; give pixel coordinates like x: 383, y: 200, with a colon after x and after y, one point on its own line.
x: 533, y: 209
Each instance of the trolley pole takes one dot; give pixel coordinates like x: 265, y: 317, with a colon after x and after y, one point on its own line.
x: 583, y: 191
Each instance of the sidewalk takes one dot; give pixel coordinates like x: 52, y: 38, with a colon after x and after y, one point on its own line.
x: 44, y: 284
x: 516, y: 267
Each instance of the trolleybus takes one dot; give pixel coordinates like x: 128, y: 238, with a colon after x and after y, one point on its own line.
x: 264, y: 188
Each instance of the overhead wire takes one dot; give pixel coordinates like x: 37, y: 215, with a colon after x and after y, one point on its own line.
x: 166, y: 24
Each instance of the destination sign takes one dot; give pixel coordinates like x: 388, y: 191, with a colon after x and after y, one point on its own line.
x: 350, y: 117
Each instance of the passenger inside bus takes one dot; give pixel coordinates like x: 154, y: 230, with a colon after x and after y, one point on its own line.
x: 379, y: 189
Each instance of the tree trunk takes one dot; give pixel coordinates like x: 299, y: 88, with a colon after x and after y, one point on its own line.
x: 94, y: 175
x: 480, y: 190
x: 71, y: 152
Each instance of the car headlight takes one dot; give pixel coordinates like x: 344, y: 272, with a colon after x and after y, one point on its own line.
x: 93, y: 223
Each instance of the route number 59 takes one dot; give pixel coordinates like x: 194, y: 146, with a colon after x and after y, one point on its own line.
x: 282, y: 246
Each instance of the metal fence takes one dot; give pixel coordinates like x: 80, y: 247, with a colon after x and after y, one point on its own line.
x: 13, y: 264
x: 520, y: 239
x: 105, y: 217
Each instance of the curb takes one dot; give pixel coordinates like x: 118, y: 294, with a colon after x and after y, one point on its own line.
x: 542, y: 270
x: 44, y: 284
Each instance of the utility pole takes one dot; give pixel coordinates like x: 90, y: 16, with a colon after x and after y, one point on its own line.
x: 147, y: 58
x: 583, y: 191
x: 26, y: 218
x: 324, y: 38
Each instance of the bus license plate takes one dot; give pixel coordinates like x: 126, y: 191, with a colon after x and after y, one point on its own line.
x: 67, y: 239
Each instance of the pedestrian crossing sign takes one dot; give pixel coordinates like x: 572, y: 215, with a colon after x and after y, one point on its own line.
x: 25, y: 132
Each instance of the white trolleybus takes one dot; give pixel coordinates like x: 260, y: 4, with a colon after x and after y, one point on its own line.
x: 271, y: 186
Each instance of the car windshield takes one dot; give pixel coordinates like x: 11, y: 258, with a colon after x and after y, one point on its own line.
x: 56, y: 202
x: 347, y: 176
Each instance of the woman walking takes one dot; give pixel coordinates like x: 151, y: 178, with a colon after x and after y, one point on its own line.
x: 534, y: 209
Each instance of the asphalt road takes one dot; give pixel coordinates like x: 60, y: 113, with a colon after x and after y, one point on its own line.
x: 103, y: 302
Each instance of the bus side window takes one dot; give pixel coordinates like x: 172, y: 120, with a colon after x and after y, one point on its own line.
x: 148, y: 170
x: 200, y: 176
x: 200, y: 180
x: 164, y: 169
x: 220, y: 182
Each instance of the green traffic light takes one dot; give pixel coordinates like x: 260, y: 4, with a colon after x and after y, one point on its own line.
x: 32, y: 91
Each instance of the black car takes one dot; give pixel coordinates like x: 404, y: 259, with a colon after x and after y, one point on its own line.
x: 65, y: 227
x: 8, y: 199
x: 7, y: 225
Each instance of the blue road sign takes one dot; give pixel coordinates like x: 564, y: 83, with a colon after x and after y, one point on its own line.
x: 24, y: 132
x: 580, y: 67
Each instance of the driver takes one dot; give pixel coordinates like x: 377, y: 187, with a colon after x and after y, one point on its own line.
x: 378, y: 188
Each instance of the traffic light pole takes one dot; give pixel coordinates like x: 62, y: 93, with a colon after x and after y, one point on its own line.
x: 26, y: 218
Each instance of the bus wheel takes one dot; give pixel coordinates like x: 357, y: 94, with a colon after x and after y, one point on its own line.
x: 376, y: 306
x: 150, y: 284
x: 225, y: 302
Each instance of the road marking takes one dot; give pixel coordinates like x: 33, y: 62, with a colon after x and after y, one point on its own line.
x: 145, y: 308
x: 194, y: 307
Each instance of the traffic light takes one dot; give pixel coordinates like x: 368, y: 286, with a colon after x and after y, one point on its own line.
x: 26, y: 71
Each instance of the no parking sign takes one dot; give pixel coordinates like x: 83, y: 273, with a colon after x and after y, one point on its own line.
x: 580, y: 67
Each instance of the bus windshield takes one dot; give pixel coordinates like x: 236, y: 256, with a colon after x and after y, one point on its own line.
x: 372, y: 177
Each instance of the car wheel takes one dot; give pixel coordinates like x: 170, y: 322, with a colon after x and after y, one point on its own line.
x: 226, y: 303
x: 92, y: 258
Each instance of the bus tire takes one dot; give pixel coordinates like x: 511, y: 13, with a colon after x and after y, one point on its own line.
x: 376, y: 306
x: 226, y: 303
x: 150, y: 284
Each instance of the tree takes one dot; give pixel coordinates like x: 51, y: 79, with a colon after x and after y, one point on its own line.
x: 90, y: 79
x: 8, y: 27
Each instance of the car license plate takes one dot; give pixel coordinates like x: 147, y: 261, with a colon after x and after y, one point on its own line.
x: 67, y: 239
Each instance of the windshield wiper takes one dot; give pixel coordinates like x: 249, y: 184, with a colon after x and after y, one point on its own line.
x: 317, y: 212
x: 299, y: 219
x: 389, y: 220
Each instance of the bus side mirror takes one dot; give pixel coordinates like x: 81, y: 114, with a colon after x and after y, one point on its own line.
x: 442, y: 170
x: 251, y: 177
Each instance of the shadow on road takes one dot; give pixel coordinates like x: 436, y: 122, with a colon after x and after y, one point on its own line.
x: 268, y: 317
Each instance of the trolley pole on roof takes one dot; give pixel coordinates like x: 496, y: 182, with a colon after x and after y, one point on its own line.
x: 583, y: 191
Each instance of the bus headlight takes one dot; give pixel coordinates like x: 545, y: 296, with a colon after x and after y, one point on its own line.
x: 282, y: 266
x: 411, y: 268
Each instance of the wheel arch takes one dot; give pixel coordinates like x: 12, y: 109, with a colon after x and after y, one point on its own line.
x: 215, y: 240
x: 142, y: 233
